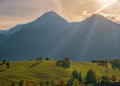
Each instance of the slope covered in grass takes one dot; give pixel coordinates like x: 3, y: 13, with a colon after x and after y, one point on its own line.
x: 35, y: 71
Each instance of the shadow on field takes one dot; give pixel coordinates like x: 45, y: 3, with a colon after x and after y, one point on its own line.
x: 3, y: 70
x: 1, y: 64
x: 33, y: 65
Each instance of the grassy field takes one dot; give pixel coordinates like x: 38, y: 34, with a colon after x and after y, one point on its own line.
x: 35, y: 71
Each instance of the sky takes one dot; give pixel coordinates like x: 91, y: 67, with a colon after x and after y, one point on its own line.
x: 13, y: 12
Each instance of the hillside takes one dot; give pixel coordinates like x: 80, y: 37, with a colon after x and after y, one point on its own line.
x: 46, y: 70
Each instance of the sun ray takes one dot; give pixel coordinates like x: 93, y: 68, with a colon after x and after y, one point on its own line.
x: 105, y: 4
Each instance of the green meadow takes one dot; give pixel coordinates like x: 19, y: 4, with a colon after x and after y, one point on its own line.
x: 36, y: 71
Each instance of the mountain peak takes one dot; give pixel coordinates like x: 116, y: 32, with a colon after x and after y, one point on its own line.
x: 99, y: 19
x: 52, y: 36
x: 51, y: 15
x: 97, y: 15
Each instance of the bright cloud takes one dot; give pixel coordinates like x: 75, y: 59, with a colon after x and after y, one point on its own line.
x: 13, y: 12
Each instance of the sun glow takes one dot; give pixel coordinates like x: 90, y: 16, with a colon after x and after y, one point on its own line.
x: 105, y: 4
x: 106, y: 1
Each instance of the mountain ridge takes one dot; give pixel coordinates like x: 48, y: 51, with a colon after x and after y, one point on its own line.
x: 52, y: 36
x: 54, y: 14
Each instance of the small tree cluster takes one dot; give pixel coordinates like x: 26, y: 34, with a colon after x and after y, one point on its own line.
x: 4, y: 61
x: 63, y: 63
x: 94, y: 61
x: 47, y: 59
x: 103, y: 63
x: 115, y: 63
x: 76, y: 78
x: 39, y: 58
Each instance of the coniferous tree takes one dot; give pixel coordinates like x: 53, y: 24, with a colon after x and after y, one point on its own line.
x: 76, y: 78
x: 70, y: 82
x: 75, y: 74
x: 105, y: 81
x: 13, y: 84
x: 21, y: 83
x: 91, y: 77
x: 80, y: 77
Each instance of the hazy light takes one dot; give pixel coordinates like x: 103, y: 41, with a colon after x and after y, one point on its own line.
x: 87, y: 42
x: 107, y: 1
x: 105, y: 4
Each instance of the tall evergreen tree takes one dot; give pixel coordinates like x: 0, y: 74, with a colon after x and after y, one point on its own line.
x: 70, y: 82
x: 105, y: 81
x: 91, y: 77
x: 13, y: 84
x: 80, y: 77
x: 75, y: 74
x: 21, y: 83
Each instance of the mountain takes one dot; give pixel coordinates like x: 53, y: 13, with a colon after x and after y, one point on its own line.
x: 52, y: 36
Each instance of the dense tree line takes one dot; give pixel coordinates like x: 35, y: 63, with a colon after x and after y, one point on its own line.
x: 101, y: 62
x: 115, y: 63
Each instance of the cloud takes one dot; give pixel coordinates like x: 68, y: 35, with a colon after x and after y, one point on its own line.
x: 78, y: 18
x: 26, y: 7
x: 24, y: 10
x: 76, y: 7
x: 21, y: 11
x: 85, y: 14
x: 7, y: 22
x: 113, y: 17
